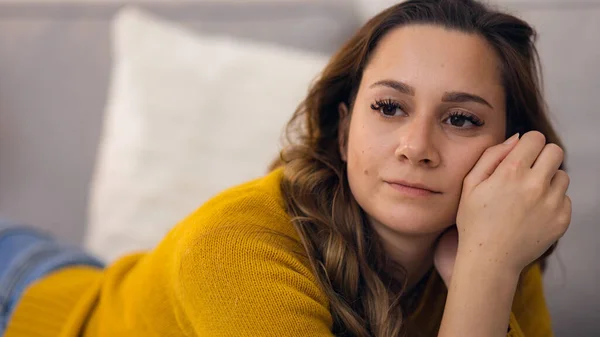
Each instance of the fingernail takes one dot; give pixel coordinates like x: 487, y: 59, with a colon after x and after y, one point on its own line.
x: 512, y: 139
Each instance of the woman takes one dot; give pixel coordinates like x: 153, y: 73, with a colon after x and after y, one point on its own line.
x: 403, y: 206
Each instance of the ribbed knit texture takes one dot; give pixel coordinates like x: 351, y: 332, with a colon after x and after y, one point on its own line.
x: 235, y: 267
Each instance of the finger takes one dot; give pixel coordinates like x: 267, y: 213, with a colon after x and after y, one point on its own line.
x: 525, y: 153
x: 489, y: 161
x: 559, y: 185
x: 568, y: 208
x: 564, y: 216
x: 548, y: 162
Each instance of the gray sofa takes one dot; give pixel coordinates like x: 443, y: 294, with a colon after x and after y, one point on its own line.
x: 54, y: 71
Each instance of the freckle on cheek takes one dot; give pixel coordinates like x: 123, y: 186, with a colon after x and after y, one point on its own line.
x: 366, y: 172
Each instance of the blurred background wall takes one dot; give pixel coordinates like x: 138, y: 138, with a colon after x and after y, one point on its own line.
x: 55, y: 66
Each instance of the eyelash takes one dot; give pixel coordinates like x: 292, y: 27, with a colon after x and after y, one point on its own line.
x: 389, y: 104
x: 473, y: 119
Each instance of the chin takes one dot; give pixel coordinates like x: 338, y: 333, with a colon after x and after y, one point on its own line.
x: 413, y: 222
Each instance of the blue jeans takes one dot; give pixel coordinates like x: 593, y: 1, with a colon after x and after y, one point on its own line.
x: 27, y: 255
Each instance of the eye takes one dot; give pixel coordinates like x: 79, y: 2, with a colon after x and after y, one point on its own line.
x: 387, y: 108
x: 459, y: 119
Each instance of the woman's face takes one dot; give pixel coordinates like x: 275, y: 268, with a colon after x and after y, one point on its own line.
x: 429, y: 103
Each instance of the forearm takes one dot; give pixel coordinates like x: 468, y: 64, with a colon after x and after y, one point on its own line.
x: 479, y: 299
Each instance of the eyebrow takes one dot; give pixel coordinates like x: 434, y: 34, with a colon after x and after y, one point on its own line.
x: 453, y: 96
x: 461, y: 97
x: 396, y: 85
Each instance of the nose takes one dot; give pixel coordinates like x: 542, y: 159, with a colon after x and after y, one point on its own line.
x: 417, y: 144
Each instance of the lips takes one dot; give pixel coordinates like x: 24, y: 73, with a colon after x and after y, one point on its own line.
x: 414, y: 185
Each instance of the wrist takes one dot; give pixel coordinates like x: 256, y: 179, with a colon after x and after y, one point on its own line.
x: 480, y: 297
x: 476, y: 263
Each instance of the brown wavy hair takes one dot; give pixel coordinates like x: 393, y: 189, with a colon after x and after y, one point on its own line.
x: 364, y: 288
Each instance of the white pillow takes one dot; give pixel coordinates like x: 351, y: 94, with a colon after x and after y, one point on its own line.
x: 188, y: 115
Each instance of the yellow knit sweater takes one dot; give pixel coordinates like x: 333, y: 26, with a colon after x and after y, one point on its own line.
x: 232, y: 268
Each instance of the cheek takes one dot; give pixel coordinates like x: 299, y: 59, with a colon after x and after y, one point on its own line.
x: 462, y: 160
x: 362, y: 144
x: 369, y: 145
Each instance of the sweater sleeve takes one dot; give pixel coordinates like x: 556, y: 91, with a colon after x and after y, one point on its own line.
x: 530, y: 316
x: 248, y: 281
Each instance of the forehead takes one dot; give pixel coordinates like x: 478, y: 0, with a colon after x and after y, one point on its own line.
x: 433, y: 56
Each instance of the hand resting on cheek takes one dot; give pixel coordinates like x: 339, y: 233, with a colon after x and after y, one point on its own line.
x: 513, y: 207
